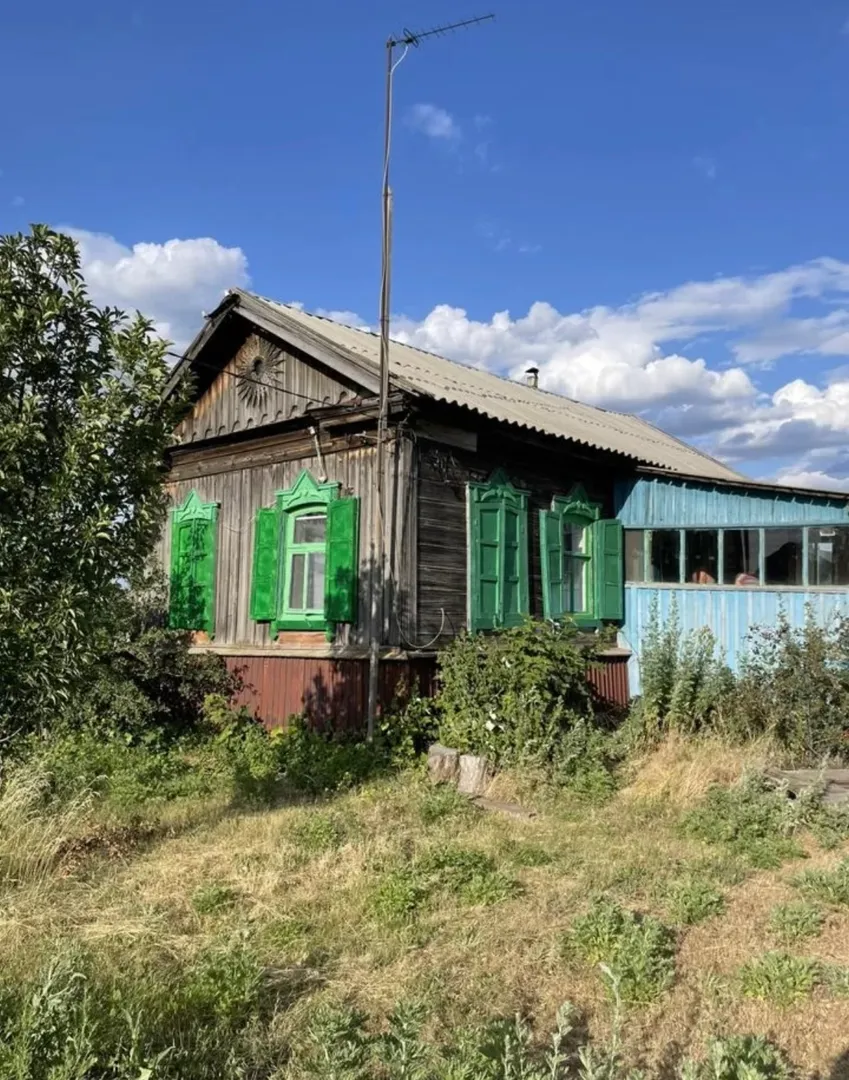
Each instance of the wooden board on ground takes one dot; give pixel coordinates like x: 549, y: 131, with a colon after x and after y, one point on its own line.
x: 834, y: 783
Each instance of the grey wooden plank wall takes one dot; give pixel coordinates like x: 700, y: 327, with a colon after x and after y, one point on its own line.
x: 226, y: 407
x: 443, y: 474
x: 241, y: 492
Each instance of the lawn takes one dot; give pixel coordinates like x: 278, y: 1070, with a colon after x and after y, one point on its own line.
x: 401, y: 892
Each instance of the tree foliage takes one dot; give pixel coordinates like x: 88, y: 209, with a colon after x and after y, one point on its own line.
x: 83, y: 434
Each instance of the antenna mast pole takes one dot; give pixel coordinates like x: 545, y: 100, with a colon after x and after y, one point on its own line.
x: 379, y: 515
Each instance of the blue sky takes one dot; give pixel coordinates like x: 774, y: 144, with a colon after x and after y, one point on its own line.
x: 655, y: 194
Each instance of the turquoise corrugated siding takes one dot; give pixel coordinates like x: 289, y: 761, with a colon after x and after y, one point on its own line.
x: 730, y: 613
x: 654, y: 502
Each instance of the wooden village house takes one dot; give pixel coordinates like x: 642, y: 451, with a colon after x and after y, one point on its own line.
x: 503, y: 501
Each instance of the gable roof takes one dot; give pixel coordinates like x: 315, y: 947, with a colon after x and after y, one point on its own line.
x: 424, y: 374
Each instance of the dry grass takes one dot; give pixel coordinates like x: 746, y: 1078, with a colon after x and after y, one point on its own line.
x: 681, y: 770
x: 314, y: 908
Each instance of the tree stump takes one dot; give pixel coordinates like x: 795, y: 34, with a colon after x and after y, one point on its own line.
x: 443, y: 764
x: 475, y: 775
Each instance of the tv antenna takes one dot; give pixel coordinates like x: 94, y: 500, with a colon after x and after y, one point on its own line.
x: 405, y: 39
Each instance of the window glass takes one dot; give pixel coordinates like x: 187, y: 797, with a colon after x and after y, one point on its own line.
x: 701, y: 553
x: 315, y: 581
x: 783, y: 556
x: 664, y: 555
x: 309, y: 529
x: 574, y: 568
x: 635, y: 555
x: 741, y: 557
x: 306, y: 563
x: 296, y: 582
x: 828, y: 556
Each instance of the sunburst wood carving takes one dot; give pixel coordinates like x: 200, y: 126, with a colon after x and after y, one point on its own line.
x: 260, y: 366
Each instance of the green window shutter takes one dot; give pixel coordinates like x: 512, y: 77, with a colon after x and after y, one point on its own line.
x: 340, y: 580
x: 203, y: 576
x: 264, y: 577
x: 608, y: 559
x: 551, y: 559
x: 181, y: 576
x: 514, y: 561
x: 486, y: 569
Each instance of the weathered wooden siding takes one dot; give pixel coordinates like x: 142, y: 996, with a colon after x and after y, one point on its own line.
x: 240, y: 491
x: 443, y: 472
x: 234, y: 404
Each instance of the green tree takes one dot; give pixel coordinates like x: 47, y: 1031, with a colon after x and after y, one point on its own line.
x: 83, y: 436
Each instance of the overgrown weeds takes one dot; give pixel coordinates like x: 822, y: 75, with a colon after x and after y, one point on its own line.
x: 638, y: 950
x: 779, y: 978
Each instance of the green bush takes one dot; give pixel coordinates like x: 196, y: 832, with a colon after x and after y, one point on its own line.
x: 790, y: 923
x: 638, y: 951
x: 779, y: 978
x: 684, y: 680
x: 513, y: 695
x: 315, y: 763
x: 794, y: 687
x: 147, y: 687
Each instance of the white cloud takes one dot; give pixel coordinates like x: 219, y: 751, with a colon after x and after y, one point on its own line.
x: 172, y: 283
x: 812, y: 478
x: 434, y: 122
x: 686, y: 358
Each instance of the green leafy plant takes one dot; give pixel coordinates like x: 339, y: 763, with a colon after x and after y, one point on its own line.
x: 793, y: 922
x: 470, y: 875
x: 740, y: 1057
x: 794, y: 687
x: 441, y: 801
x: 827, y: 886
x: 317, y: 832
x: 316, y: 763
x: 779, y: 977
x: 214, y: 898
x: 84, y: 428
x: 684, y: 680
x: 693, y: 900
x: 751, y: 819
x: 638, y: 951
x: 513, y: 695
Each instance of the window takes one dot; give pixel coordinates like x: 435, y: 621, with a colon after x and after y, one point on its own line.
x: 769, y: 556
x: 635, y: 555
x: 191, y: 602
x: 665, y: 555
x: 741, y: 557
x: 576, y: 559
x: 701, y: 554
x: 581, y: 561
x: 306, y: 554
x: 498, y: 554
x: 828, y: 556
x: 783, y: 556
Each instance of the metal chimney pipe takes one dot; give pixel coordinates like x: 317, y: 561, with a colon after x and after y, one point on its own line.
x: 532, y: 377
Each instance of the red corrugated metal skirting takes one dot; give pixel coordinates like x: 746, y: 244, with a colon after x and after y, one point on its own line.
x: 334, y: 693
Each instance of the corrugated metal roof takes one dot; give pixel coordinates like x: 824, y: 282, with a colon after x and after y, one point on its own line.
x: 502, y: 399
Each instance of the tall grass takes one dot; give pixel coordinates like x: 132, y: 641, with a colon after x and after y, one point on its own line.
x: 34, y: 834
